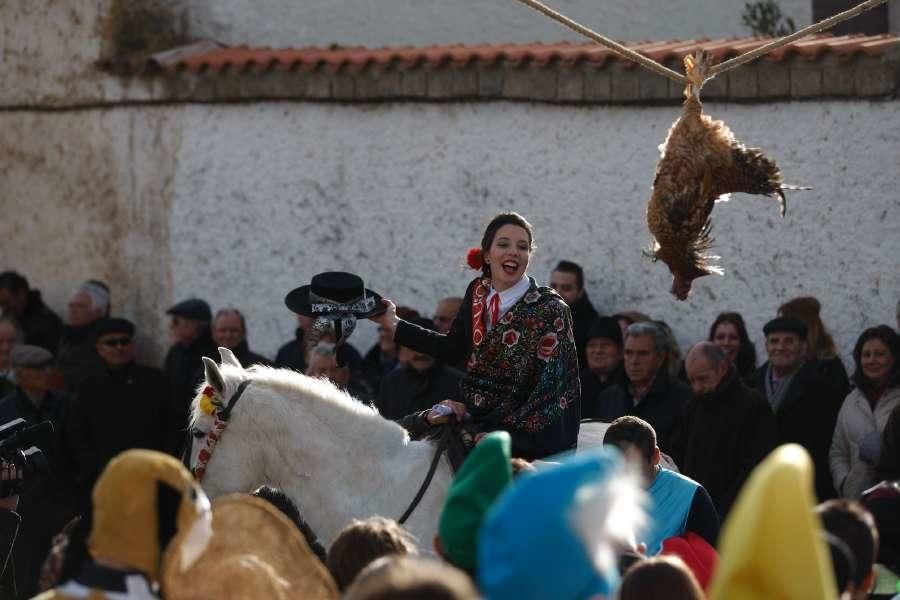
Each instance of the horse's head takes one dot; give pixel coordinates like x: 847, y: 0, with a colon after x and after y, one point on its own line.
x: 229, y: 466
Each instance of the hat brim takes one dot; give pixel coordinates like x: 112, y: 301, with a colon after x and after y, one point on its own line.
x: 246, y: 526
x: 297, y: 300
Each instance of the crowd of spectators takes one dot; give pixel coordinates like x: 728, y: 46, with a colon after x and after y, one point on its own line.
x: 717, y: 410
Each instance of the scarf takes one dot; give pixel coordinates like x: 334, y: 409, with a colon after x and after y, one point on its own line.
x: 775, y: 393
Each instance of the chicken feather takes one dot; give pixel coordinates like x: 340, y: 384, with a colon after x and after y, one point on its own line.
x: 701, y: 161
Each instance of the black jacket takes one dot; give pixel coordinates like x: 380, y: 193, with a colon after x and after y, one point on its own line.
x: 247, y: 358
x: 583, y: 316
x: 116, y: 411
x: 807, y: 416
x: 9, y: 529
x: 42, y: 326
x: 723, y: 437
x: 47, y: 502
x: 662, y: 407
x: 406, y: 391
x: 889, y: 462
x: 291, y: 355
x: 592, y: 387
x: 181, y: 368
x: 77, y: 356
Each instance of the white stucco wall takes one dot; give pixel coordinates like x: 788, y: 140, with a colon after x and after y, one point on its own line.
x: 266, y: 195
x: 425, y: 22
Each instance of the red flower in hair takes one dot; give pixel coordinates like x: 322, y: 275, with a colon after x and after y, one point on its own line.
x: 475, y: 258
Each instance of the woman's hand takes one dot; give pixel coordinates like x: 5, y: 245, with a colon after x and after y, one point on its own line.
x: 388, y: 319
x: 434, y: 417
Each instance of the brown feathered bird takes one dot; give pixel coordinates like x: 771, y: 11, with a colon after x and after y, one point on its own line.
x: 701, y: 161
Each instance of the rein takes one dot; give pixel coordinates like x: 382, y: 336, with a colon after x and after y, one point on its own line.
x: 220, y: 422
x: 438, y: 451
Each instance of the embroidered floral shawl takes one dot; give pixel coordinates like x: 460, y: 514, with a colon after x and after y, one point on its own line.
x: 522, y: 375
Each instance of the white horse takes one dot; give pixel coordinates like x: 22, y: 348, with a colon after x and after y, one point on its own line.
x: 334, y: 456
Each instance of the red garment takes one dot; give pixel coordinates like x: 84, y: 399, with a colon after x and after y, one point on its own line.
x: 697, y: 554
x: 479, y: 293
x: 494, y: 310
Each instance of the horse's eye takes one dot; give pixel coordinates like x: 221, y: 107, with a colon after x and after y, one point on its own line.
x: 197, y: 433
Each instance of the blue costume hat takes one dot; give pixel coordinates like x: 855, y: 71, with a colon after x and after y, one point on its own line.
x: 543, y: 536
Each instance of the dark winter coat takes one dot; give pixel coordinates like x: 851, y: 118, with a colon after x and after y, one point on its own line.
x: 406, y: 390
x: 807, y: 416
x: 662, y: 407
x: 583, y: 316
x: 77, y: 358
x: 247, y: 358
x: 47, y: 502
x: 181, y: 368
x: 116, y: 411
x: 291, y: 355
x: 723, y: 437
x: 592, y: 387
x: 41, y: 326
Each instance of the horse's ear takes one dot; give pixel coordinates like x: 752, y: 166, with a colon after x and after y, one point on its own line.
x: 213, y: 375
x: 228, y: 358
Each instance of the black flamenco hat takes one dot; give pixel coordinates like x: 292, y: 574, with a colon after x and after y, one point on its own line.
x: 333, y: 293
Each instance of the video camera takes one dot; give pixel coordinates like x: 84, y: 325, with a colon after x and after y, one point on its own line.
x: 19, y: 448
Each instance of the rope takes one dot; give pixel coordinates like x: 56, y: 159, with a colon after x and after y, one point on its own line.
x: 652, y: 65
x: 647, y: 63
x: 782, y: 41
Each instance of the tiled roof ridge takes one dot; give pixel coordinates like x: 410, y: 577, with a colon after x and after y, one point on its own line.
x: 206, y: 57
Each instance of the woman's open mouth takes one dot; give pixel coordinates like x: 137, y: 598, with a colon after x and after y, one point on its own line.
x: 510, y: 267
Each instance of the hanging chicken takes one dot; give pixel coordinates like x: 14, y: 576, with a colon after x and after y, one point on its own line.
x: 701, y: 161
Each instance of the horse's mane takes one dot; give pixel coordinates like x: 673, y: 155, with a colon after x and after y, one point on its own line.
x: 316, y: 395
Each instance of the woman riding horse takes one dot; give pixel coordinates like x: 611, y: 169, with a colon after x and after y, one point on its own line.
x: 516, y: 340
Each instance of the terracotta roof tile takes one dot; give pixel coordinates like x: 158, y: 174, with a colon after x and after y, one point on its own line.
x: 211, y: 59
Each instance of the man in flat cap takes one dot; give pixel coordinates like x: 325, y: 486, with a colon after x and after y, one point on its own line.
x: 805, y: 406
x: 126, y: 406
x: 191, y: 341
x: 47, y: 503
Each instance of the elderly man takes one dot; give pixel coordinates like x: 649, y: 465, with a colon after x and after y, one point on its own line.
x: 77, y: 359
x: 419, y: 384
x: 603, y: 354
x: 805, y: 405
x: 229, y: 330
x: 292, y: 355
x: 323, y: 362
x: 445, y: 313
x: 48, y: 502
x: 41, y: 326
x: 728, y: 428
x: 126, y: 406
x: 568, y: 280
x: 189, y: 329
x: 678, y: 503
x: 647, y: 390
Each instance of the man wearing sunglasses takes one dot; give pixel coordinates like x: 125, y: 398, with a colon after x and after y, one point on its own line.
x: 127, y: 406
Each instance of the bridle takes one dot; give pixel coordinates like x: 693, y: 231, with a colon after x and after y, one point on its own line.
x: 220, y: 421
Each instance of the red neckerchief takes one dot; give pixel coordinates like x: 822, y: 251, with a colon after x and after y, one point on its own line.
x: 478, y: 296
x: 494, y: 309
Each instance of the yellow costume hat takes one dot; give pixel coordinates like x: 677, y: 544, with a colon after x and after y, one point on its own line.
x: 126, y: 510
x: 771, y: 545
x: 255, y: 552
